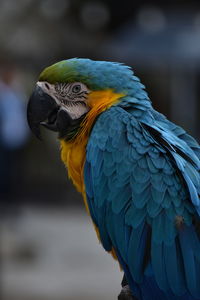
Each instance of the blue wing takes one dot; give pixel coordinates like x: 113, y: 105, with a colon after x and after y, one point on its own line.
x: 142, y: 183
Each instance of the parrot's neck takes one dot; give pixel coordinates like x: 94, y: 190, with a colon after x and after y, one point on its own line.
x: 73, y: 152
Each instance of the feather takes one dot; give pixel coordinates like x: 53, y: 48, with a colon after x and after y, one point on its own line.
x: 152, y: 168
x: 119, y: 198
x: 120, y: 232
x: 168, y: 180
x: 141, y: 175
x: 88, y: 180
x: 192, y: 190
x: 159, y: 162
x: 134, y: 216
x: 140, y: 200
x: 167, y: 200
x: 138, y: 188
x: 142, y: 163
x: 136, y: 251
x: 157, y: 196
x: 188, y: 246
x: 102, y: 227
x: 174, y: 268
x: 158, y: 265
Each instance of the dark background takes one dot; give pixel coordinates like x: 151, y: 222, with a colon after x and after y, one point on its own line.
x: 160, y: 40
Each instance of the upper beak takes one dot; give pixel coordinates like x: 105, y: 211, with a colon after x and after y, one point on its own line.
x: 41, y: 107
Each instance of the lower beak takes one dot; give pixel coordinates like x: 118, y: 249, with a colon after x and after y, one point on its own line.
x: 41, y: 107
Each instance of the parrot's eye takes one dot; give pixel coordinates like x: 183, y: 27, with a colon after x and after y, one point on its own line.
x: 76, y: 88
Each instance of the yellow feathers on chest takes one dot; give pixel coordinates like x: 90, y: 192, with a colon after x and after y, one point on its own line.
x: 73, y: 152
x: 73, y: 156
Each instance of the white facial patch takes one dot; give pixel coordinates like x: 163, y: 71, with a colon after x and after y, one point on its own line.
x: 76, y: 112
x: 71, y: 97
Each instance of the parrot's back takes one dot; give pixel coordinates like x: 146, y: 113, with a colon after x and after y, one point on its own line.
x: 142, y: 187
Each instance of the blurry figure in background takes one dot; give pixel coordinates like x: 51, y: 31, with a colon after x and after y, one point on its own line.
x: 13, y: 130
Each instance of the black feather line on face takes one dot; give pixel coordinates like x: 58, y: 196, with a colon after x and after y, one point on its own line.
x: 65, y: 90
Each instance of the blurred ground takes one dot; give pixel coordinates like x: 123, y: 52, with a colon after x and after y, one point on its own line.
x: 53, y: 254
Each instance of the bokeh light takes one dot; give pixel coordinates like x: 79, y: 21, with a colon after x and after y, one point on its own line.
x: 94, y: 15
x: 54, y: 9
x: 151, y: 19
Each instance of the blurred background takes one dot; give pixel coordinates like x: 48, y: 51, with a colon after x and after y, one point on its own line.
x: 48, y: 248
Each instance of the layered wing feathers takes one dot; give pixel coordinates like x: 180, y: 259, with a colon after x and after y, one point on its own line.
x: 142, y: 183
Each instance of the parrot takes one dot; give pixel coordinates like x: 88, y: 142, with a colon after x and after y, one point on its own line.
x: 138, y: 173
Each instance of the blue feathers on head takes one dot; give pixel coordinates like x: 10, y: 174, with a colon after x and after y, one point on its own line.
x: 101, y: 75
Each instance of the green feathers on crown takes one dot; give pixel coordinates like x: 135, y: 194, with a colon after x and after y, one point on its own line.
x: 63, y: 71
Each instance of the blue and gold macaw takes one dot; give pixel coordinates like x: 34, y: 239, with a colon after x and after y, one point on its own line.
x: 137, y: 171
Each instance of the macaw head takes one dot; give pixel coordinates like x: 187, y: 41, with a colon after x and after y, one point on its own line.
x: 68, y: 90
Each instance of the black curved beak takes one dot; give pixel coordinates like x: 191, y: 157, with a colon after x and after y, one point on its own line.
x: 42, y: 110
